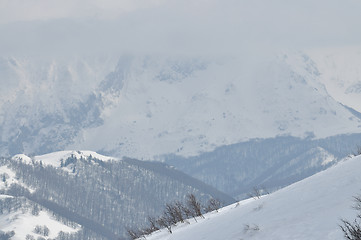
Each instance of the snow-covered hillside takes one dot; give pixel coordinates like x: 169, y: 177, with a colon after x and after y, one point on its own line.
x: 34, y: 222
x: 146, y: 106
x: 101, y: 194
x: 309, y: 209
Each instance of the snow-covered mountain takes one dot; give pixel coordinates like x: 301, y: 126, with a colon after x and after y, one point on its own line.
x: 148, y: 106
x: 341, y: 74
x: 188, y: 106
x: 97, y: 196
x: 265, y: 163
x: 309, y: 209
x: 45, y: 102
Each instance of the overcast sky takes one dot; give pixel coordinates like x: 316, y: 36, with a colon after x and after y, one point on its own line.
x: 175, y: 26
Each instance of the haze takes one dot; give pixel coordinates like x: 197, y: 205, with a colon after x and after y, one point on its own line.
x: 43, y: 27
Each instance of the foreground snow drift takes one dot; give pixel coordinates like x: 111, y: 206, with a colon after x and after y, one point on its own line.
x: 309, y: 209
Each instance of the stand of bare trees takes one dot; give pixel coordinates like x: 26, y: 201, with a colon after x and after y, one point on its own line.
x: 174, y: 213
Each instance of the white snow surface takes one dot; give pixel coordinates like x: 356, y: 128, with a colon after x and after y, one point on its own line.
x: 54, y: 159
x: 309, y: 209
x: 24, y: 223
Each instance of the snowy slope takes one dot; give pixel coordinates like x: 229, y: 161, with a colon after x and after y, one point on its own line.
x: 54, y: 159
x: 102, y: 195
x: 23, y: 223
x: 309, y: 209
x: 8, y: 178
x: 186, y: 106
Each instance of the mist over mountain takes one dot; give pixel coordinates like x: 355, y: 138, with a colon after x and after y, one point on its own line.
x: 236, y: 94
x: 148, y: 106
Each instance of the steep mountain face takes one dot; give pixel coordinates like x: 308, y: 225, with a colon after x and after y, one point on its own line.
x: 340, y: 74
x: 148, y: 106
x: 310, y: 209
x: 101, y: 194
x: 188, y: 106
x: 45, y: 102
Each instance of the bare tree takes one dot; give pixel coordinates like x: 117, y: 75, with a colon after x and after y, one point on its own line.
x: 153, y: 224
x: 163, y: 222
x: 194, y: 205
x: 256, y: 193
x: 133, y: 234
x: 213, y: 205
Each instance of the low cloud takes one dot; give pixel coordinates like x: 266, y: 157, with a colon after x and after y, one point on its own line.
x: 176, y: 27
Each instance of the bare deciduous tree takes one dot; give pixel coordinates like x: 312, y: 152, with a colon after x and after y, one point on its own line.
x: 213, y: 205
x: 194, y: 205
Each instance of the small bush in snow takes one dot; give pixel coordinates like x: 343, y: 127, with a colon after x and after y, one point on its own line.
x: 256, y: 193
x: 42, y: 230
x: 249, y: 228
x: 358, y: 151
x: 29, y: 237
x: 352, y: 230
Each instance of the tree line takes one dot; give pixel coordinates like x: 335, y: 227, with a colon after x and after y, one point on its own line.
x: 174, y: 213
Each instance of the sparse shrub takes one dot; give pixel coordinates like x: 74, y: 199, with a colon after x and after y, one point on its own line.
x: 42, y: 230
x: 256, y: 193
x: 249, y: 228
x: 258, y: 208
x: 153, y: 224
x: 29, y: 237
x: 164, y: 223
x: 35, y: 211
x: 133, y: 234
x: 352, y: 230
x: 358, y: 151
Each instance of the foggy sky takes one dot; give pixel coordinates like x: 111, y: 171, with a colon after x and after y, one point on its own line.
x: 175, y: 26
